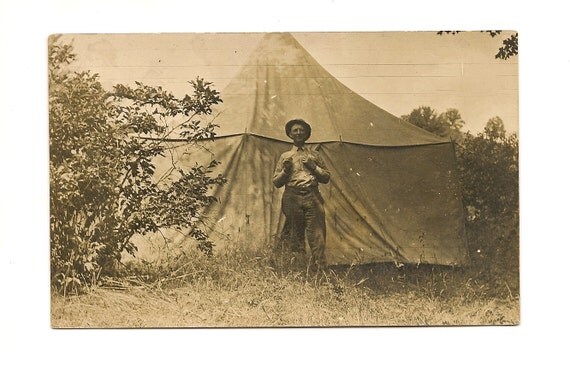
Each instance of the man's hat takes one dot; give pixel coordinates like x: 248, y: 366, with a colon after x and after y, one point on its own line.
x: 290, y: 124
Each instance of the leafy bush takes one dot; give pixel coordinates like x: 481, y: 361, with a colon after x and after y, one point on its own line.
x: 488, y: 168
x: 103, y: 183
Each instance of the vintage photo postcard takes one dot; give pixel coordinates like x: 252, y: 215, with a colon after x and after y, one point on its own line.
x: 283, y: 179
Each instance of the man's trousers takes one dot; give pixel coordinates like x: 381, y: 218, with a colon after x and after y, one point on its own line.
x: 305, y: 217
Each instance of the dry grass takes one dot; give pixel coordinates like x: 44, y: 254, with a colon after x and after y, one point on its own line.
x: 240, y: 289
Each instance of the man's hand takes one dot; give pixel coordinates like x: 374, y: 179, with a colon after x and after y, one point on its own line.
x: 287, y: 166
x: 310, y: 164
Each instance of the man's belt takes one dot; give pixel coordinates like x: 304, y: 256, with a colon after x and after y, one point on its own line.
x: 300, y: 190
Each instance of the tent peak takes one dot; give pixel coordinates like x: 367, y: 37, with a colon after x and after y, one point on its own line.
x: 281, y: 80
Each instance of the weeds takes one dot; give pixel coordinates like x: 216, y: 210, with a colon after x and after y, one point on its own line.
x: 272, y: 288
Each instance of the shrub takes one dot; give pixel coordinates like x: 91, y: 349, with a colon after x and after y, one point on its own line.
x: 488, y: 168
x: 103, y: 187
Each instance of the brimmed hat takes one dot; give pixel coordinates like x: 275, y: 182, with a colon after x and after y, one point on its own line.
x: 290, y: 124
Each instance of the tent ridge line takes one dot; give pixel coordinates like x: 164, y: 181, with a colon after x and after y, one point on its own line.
x: 343, y: 141
x: 340, y: 140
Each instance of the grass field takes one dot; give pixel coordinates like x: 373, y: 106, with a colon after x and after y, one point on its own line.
x: 242, y: 289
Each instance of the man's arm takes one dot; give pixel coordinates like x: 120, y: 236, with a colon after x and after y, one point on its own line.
x: 317, y: 167
x: 282, y: 171
x: 322, y: 175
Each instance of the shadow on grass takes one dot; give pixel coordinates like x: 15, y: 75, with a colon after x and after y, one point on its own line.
x: 240, y: 268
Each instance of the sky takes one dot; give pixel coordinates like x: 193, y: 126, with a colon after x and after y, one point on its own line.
x: 397, y: 71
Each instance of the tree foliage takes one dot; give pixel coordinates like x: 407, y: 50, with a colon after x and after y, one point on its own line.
x: 510, y: 46
x: 103, y: 184
x: 489, y: 173
x: 447, y: 124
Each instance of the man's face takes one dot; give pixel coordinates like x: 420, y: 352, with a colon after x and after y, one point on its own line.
x: 298, y: 134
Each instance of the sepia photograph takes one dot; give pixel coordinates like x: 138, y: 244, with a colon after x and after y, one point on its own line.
x: 284, y: 179
x: 333, y: 184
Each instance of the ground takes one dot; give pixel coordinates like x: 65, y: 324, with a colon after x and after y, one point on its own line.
x: 251, y: 291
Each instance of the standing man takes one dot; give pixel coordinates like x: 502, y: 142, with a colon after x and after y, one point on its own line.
x: 301, y: 170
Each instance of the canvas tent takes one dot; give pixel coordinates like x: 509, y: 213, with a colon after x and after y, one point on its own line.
x: 393, y: 195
